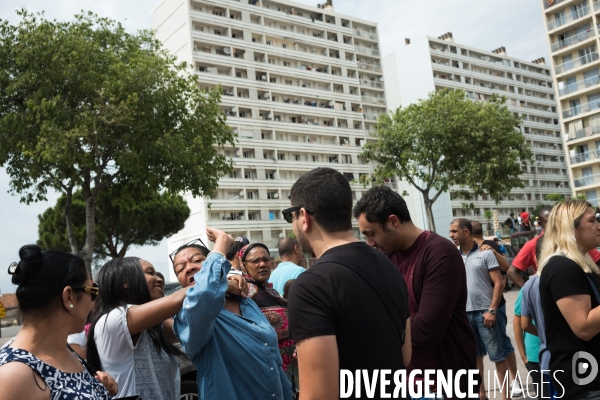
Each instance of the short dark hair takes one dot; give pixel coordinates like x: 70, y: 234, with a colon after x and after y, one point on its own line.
x: 544, y: 209
x: 326, y: 193
x: 464, y: 223
x: 286, y: 246
x: 379, y: 203
x: 523, y: 210
x: 42, y: 276
x: 477, y: 229
x: 233, y: 250
x: 512, y: 213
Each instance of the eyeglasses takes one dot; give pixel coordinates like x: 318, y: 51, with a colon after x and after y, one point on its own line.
x: 197, y: 242
x: 93, y: 290
x: 265, y: 260
x: 287, y: 213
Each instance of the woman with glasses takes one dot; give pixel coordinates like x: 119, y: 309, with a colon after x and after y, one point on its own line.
x: 55, y: 295
x: 127, y: 336
x: 570, y: 297
x: 256, y: 267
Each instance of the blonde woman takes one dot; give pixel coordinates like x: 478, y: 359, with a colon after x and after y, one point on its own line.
x: 570, y: 297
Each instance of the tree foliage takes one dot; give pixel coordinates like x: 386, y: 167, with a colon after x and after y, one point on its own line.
x: 85, y: 105
x: 119, y: 223
x: 447, y: 141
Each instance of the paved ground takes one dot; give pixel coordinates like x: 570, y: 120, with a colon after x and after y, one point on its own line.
x: 510, y: 297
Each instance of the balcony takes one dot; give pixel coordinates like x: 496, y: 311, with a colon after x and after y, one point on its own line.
x: 585, y: 132
x: 585, y: 156
x: 581, y: 109
x: 569, y: 17
x: 571, y: 40
x: 372, y: 84
x: 368, y: 51
x: 588, y: 58
x: 374, y: 100
x: 587, y: 180
x: 590, y: 82
x: 596, y: 5
x: 366, y: 35
x: 551, y: 3
x: 370, y: 117
x: 369, y: 67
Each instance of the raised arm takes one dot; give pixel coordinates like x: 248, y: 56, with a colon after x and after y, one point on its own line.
x: 144, y: 316
x: 204, y: 301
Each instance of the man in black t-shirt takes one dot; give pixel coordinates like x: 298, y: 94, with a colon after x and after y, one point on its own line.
x: 350, y: 310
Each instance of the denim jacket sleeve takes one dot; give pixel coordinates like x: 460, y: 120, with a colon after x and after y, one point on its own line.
x: 194, y: 324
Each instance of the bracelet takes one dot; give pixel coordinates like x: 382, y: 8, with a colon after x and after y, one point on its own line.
x: 218, y: 252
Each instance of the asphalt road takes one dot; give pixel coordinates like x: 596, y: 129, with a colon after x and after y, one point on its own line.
x: 9, y: 333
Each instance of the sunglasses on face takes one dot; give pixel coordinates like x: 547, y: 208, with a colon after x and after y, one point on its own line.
x: 93, y: 290
x: 197, y: 242
x: 287, y: 213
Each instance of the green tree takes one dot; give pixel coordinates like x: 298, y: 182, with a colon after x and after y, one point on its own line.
x: 119, y: 223
x: 447, y: 140
x: 85, y: 105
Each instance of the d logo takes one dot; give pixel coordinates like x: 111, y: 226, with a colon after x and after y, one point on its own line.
x: 583, y: 363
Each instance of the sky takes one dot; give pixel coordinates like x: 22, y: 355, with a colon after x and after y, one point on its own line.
x: 515, y: 24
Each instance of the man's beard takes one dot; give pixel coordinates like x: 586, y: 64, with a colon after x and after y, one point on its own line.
x: 304, y: 242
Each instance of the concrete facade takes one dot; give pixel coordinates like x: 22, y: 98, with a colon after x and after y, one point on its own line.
x: 429, y: 64
x: 302, y: 88
x: 572, y: 32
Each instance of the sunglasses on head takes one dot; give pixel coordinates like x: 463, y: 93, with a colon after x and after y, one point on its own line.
x: 287, y: 213
x: 93, y: 290
x: 197, y: 242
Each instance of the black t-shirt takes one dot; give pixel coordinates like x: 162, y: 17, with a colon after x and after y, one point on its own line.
x: 332, y: 299
x: 560, y: 278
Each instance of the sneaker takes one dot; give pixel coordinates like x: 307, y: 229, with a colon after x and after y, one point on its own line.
x: 516, y: 389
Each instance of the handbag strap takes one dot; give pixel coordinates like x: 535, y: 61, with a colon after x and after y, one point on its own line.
x: 85, y: 363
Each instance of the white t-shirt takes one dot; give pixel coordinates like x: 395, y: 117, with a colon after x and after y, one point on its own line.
x: 77, y: 338
x: 138, y: 369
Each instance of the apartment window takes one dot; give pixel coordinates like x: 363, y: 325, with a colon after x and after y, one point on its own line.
x: 296, y: 157
x: 285, y: 46
x: 281, y: 156
x: 268, y: 42
x: 248, y: 154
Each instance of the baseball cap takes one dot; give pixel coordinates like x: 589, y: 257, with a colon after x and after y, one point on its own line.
x: 242, y: 239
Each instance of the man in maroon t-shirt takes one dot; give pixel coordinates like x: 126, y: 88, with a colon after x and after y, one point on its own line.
x: 435, y: 276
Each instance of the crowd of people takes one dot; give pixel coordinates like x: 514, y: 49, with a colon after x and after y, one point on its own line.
x: 407, y: 299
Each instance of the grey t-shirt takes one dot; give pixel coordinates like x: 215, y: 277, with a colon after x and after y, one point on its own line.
x: 531, y: 306
x: 478, y: 265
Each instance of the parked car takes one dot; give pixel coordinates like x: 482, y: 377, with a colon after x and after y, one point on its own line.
x: 189, y: 385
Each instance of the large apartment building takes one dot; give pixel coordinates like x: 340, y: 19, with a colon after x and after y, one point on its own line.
x: 428, y: 64
x: 572, y: 31
x: 302, y: 88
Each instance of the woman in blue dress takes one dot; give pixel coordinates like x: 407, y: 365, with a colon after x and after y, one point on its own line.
x: 55, y: 295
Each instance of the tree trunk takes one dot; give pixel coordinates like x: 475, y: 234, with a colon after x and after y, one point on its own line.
x: 428, y: 205
x: 90, y: 231
x: 69, y: 219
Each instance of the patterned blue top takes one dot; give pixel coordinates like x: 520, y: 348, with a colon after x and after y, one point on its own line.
x: 236, y: 355
x: 63, y: 385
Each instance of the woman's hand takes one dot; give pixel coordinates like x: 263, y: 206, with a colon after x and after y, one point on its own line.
x: 236, y: 284
x: 108, y: 382
x: 222, y: 240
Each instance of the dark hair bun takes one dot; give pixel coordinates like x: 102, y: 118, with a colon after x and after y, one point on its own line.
x: 31, y: 261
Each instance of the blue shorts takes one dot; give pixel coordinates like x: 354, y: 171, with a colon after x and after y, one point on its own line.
x: 491, y: 341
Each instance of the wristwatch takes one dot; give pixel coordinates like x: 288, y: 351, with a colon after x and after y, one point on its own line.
x: 492, y: 311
